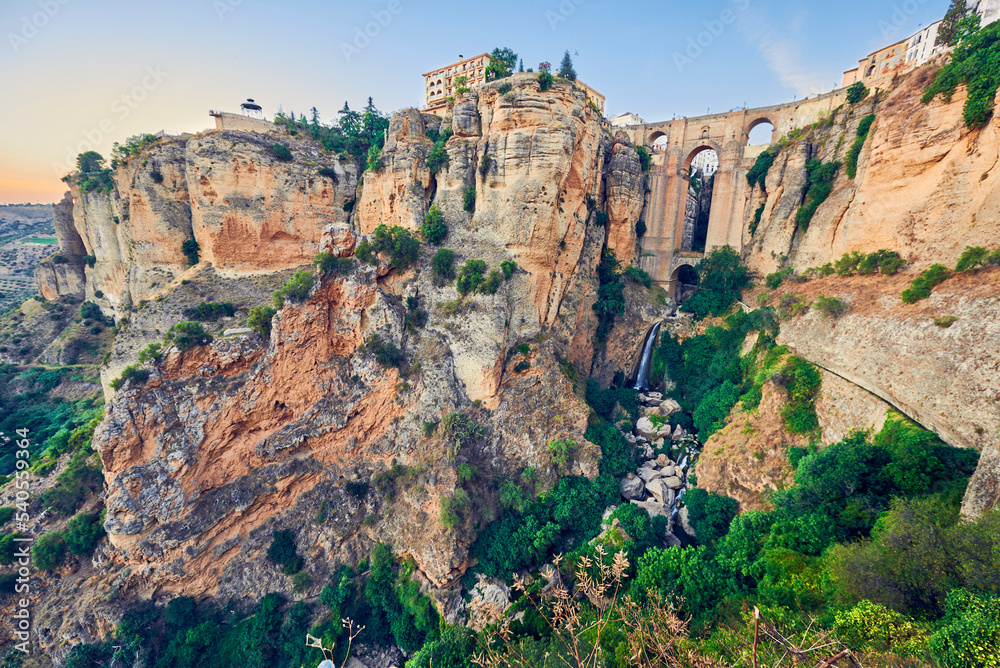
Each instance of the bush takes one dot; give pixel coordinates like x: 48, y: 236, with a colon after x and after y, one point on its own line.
x: 6, y: 513
x: 709, y: 514
x: 434, y: 228
x: 637, y: 275
x: 329, y: 264
x: 974, y: 257
x: 443, y: 264
x: 472, y: 277
x: 508, y: 267
x: 48, y: 551
x: 260, y: 320
x: 714, y: 408
x: 820, y: 178
x: 802, y: 380
x: 90, y: 260
x: 831, y: 306
x: 722, y: 278
x: 757, y: 175
x: 296, y: 289
x: 975, y: 63
x: 329, y: 173
x: 944, y: 322
x: 399, y: 244
x: 283, y: 553
x: 560, y: 452
x: 610, y: 295
x: 970, y: 633
x: 851, y: 161
x: 870, y: 626
x: 373, y: 161
x: 640, y: 228
x: 83, y: 533
x: 437, y: 159
x: 151, y: 353
x: 645, y: 160
x: 132, y: 372
x: 469, y: 198
x: 774, y: 281
x: 281, y: 152
x: 187, y: 335
x: 211, y: 311
x: 921, y: 286
x: 544, y: 80
x: 856, y: 92
x: 386, y: 354
x: 755, y: 223
x: 190, y: 248
x: 301, y: 582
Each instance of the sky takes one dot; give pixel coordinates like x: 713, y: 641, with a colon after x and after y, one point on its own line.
x: 77, y: 75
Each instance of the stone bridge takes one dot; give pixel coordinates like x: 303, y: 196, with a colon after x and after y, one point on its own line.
x: 677, y: 143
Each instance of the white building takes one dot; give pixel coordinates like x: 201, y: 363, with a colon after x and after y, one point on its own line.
x: 707, y: 162
x: 626, y: 119
x: 921, y: 47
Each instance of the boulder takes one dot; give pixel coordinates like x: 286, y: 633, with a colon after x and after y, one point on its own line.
x: 632, y: 487
x: 651, y: 464
x: 655, y: 489
x: 653, y: 508
x: 678, y: 433
x: 669, y: 497
x: 630, y: 437
x: 644, y: 428
x: 670, y: 540
x: 649, y: 475
x: 238, y: 331
x: 673, y: 482
x: 663, y: 460
x: 669, y: 407
x: 685, y: 522
x: 647, y: 400
x: 338, y: 239
x: 667, y: 471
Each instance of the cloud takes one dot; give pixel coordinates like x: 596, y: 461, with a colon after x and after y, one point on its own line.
x: 781, y: 53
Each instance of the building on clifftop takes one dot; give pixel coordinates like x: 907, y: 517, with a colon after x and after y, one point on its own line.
x: 439, y: 84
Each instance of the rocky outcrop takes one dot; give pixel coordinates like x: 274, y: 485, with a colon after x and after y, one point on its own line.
x: 248, y: 211
x: 63, y: 278
x: 944, y: 378
x: 926, y: 186
x: 625, y: 198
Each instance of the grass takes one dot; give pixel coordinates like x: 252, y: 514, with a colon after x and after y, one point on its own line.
x: 39, y: 240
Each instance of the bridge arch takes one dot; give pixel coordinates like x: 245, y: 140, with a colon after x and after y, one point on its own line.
x: 753, y: 125
x: 683, y: 279
x: 658, y: 140
x: 701, y: 148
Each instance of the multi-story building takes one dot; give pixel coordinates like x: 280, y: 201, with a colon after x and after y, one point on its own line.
x: 626, y: 119
x: 593, y: 96
x: 879, y: 67
x: 922, y: 46
x: 439, y: 84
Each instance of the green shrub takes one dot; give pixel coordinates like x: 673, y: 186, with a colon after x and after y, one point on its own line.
x: 640, y: 228
x: 970, y: 632
x: 974, y: 257
x: 399, y: 244
x: 921, y: 286
x: 295, y: 290
x: 755, y: 223
x: 610, y: 295
x: 329, y: 264
x: 757, y: 175
x: 151, y: 353
x: 544, y: 80
x: 48, y: 551
x: 974, y: 62
x: 820, y: 178
x: 508, y: 267
x: 281, y: 152
x: 6, y: 513
x: 363, y: 251
x: 83, y: 533
x: 443, y: 264
x: 260, y: 320
x: 461, y: 429
x: 434, y: 228
x: 385, y: 352
x: 637, y: 275
x: 774, y: 281
x: 561, y: 452
x: 472, y: 277
x: 329, y: 173
x: 722, y: 278
x: 373, y: 162
x: 709, y: 514
x: 132, y: 372
x: 946, y: 321
x: 282, y: 552
x: 714, y: 408
x: 831, y: 306
x: 521, y: 366
x: 211, y: 311
x: 90, y: 260
x: 645, y: 160
x: 856, y: 92
x: 186, y: 335
x: 851, y: 161
x: 469, y: 198
x: 191, y: 249
x: 301, y: 582
x: 870, y: 626
x: 437, y: 159
x: 802, y: 380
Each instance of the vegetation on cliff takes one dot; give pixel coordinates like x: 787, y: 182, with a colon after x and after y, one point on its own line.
x: 976, y: 63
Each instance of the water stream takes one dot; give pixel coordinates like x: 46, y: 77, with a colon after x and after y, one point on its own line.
x: 642, y: 376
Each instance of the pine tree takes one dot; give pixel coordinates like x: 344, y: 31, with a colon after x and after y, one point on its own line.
x: 315, y: 115
x: 520, y: 65
x: 566, y: 70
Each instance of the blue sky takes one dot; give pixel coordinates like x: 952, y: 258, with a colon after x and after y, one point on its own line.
x: 75, y: 73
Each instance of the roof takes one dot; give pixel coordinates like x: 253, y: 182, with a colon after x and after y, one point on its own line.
x: 438, y: 69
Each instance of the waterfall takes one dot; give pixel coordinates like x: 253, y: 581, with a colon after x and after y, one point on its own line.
x: 642, y: 376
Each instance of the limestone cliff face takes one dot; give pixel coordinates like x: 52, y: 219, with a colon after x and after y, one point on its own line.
x: 942, y: 377
x: 63, y: 279
x: 926, y: 186
x: 542, y: 166
x: 248, y: 211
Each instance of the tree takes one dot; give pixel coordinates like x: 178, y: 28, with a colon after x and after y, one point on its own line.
x: 856, y: 92
x: 434, y: 228
x: 314, y: 112
x: 566, y: 70
x: 91, y: 161
x: 948, y: 30
x: 722, y: 277
x: 520, y: 65
x: 350, y: 121
x: 502, y: 63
